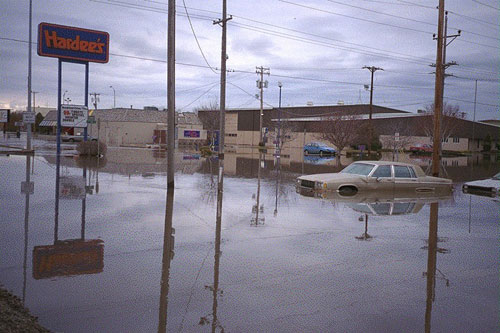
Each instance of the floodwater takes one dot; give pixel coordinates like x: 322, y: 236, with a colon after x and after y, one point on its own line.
x: 103, y: 248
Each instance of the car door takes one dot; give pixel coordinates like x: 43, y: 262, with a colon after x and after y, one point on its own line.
x: 382, y: 178
x: 404, y: 179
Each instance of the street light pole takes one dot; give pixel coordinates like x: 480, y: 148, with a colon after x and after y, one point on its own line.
x: 28, y: 140
x: 278, y: 141
x: 114, y: 97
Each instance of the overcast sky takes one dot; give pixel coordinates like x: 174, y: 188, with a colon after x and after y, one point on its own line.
x: 316, y: 48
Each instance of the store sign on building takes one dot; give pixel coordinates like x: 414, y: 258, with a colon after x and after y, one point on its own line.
x: 74, y: 115
x: 4, y: 115
x: 72, y: 43
x: 191, y: 134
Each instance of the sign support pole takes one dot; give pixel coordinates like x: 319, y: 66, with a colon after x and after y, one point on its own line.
x: 59, y: 82
x: 86, y: 97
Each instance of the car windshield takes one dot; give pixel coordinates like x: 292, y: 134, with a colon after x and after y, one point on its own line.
x: 496, y: 177
x: 362, y: 169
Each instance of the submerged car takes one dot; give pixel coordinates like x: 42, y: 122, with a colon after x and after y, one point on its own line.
x: 318, y: 148
x: 487, y: 187
x: 375, y: 176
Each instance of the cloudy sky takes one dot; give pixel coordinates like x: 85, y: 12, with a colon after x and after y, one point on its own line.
x: 316, y: 48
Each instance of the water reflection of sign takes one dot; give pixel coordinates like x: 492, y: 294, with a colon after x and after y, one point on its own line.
x: 191, y: 157
x: 65, y: 42
x: 74, y: 115
x: 4, y: 115
x: 65, y: 258
x: 191, y: 134
x: 27, y: 187
x: 72, y: 187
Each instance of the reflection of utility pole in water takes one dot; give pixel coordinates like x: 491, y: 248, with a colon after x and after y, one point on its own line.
x: 27, y: 188
x: 168, y: 255
x: 278, y: 176
x: 431, y: 264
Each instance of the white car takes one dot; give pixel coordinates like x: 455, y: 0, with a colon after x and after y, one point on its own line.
x: 375, y: 176
x: 488, y: 187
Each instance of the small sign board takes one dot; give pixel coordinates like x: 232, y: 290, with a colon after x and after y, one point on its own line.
x: 29, y: 117
x: 4, y: 115
x: 191, y: 134
x: 18, y: 123
x: 91, y: 120
x: 72, y: 188
x: 74, y: 115
x: 67, y: 258
x: 59, y: 41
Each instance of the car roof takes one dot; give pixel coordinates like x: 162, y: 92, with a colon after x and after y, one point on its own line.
x: 385, y: 163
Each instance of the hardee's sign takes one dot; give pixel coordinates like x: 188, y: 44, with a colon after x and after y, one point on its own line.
x: 72, y: 43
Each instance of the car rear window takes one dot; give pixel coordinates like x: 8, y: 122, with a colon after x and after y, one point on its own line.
x: 382, y: 171
x: 362, y: 169
x: 401, y: 171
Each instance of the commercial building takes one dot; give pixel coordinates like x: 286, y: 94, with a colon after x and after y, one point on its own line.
x: 124, y: 127
x: 396, y: 129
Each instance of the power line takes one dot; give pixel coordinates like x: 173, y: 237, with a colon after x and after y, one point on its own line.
x: 196, y: 38
x: 486, y: 5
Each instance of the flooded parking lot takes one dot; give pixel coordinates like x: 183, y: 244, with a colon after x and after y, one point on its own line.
x: 102, y: 247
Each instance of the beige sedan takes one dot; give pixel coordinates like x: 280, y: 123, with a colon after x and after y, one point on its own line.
x: 375, y: 176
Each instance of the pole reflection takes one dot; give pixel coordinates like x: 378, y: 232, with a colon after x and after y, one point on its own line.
x: 27, y: 187
x: 431, y: 264
x: 168, y: 255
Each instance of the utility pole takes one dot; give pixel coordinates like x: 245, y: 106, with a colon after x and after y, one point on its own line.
x: 261, y: 85
x: 372, y: 69
x: 28, y: 139
x: 171, y: 94
x: 438, y: 93
x: 222, y: 133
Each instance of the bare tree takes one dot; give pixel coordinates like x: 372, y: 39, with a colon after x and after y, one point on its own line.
x: 288, y: 131
x: 397, y: 140
x: 449, y: 122
x: 209, y: 117
x: 341, y: 131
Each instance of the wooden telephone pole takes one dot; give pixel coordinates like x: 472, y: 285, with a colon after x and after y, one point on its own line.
x: 372, y: 69
x: 438, y: 93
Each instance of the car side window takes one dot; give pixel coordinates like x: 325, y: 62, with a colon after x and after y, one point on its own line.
x: 401, y: 171
x: 382, y: 171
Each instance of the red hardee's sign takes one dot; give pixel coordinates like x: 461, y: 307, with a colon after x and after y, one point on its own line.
x: 72, y: 43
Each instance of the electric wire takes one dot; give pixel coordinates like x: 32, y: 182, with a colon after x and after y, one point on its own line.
x: 486, y: 5
x: 196, y: 38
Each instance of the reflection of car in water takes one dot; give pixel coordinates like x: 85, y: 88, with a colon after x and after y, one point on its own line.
x: 315, y: 159
x: 487, y: 187
x: 382, y: 202
x: 76, y: 138
x: 318, y: 148
x: 375, y: 176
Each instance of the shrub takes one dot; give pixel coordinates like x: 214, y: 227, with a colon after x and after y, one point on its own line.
x: 90, y: 148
